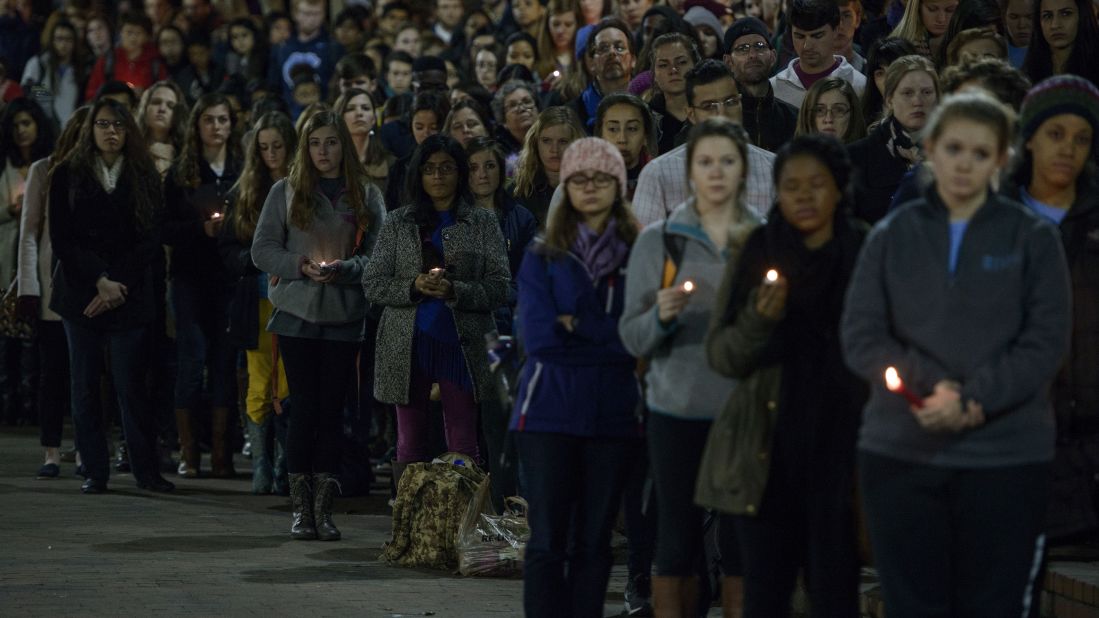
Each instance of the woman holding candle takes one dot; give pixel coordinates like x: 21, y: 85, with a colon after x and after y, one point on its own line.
x: 575, y: 417
x: 667, y: 314
x: 201, y: 288
x: 272, y: 141
x: 779, y: 308
x: 314, y: 236
x: 102, y: 211
x: 439, y: 271
x: 1054, y: 176
x: 976, y: 322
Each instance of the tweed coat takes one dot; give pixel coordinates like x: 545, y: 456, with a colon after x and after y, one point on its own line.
x: 476, y: 265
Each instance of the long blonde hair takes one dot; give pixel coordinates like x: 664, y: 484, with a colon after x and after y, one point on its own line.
x: 529, y: 171
x: 303, y: 174
x: 910, y: 27
x: 255, y: 179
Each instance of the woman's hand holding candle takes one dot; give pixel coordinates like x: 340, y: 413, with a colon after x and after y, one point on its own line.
x: 212, y: 226
x: 321, y: 272
x: 670, y: 301
x: 771, y: 300
x: 944, y: 411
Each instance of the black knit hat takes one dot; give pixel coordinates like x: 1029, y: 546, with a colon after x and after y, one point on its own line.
x: 1061, y: 94
x: 743, y: 26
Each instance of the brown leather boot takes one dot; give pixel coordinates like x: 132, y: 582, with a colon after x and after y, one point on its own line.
x: 732, y: 596
x: 189, y: 457
x: 221, y: 457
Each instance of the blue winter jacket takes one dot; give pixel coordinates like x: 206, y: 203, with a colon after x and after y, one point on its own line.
x: 581, y: 383
x: 519, y: 228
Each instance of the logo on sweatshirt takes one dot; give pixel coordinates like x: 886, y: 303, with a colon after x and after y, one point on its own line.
x: 995, y: 263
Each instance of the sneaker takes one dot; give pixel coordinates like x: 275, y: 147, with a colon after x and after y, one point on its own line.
x: 639, y: 596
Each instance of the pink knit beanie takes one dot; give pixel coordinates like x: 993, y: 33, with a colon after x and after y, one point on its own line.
x: 593, y: 154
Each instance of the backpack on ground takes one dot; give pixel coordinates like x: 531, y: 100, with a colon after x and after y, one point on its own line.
x: 432, y: 499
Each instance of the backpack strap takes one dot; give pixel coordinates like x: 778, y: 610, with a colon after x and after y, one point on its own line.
x: 674, y: 246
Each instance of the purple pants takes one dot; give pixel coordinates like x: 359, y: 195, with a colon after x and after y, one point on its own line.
x: 459, y: 419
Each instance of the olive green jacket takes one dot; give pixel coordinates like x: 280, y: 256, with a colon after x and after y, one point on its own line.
x: 736, y: 461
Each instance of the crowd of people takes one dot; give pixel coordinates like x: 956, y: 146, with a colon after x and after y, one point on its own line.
x: 796, y: 286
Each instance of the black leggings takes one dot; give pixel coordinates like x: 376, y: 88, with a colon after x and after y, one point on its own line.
x: 675, y: 452
x: 53, y: 385
x: 318, y: 373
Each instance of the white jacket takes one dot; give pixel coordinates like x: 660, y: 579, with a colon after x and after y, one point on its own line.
x: 788, y: 86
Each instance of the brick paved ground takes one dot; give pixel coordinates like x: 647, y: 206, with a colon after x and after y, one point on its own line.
x: 210, y: 549
x: 213, y: 549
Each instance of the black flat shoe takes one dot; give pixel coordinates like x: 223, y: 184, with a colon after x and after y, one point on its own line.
x: 92, y: 486
x: 157, y: 483
x: 49, y: 471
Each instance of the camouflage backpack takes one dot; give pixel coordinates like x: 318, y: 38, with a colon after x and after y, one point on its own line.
x: 431, y: 500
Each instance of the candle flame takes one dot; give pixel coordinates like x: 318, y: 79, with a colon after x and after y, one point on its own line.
x: 323, y: 264
x: 772, y: 276
x: 688, y: 286
x: 893, y: 379
x: 216, y: 215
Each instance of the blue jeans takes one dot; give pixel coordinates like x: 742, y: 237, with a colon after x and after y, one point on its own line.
x: 574, y: 488
x: 125, y: 350
x: 202, y: 319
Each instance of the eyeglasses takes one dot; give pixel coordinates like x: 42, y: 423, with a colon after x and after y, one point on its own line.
x: 716, y: 106
x: 600, y: 180
x: 106, y: 124
x: 515, y: 106
x: 838, y: 110
x: 606, y: 48
x: 446, y: 169
x: 759, y: 47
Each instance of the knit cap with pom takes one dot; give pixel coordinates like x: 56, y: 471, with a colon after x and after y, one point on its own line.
x: 1062, y: 94
x: 593, y: 154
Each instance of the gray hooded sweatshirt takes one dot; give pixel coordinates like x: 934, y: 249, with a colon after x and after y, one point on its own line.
x: 680, y: 381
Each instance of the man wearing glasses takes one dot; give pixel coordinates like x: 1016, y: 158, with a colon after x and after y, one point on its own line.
x: 711, y: 93
x: 770, y: 123
x: 814, y: 24
x: 609, y: 59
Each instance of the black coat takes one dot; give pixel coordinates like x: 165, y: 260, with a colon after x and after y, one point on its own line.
x: 1075, y: 393
x: 95, y: 233
x: 195, y: 256
x: 877, y: 174
x: 770, y: 123
x: 244, y: 308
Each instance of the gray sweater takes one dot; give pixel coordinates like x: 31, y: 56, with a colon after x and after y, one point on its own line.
x: 304, y: 307
x: 680, y: 381
x: 999, y: 326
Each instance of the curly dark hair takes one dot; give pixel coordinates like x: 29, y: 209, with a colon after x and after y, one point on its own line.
x: 138, y: 168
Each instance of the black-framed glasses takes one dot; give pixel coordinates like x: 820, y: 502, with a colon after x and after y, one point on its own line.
x: 446, y: 169
x: 515, y: 106
x: 839, y: 110
x: 716, y: 106
x: 599, y: 179
x: 106, y: 124
x: 759, y: 47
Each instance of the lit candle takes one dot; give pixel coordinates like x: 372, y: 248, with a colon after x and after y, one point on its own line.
x: 688, y: 287
x: 771, y: 276
x: 216, y: 215
x: 323, y: 264
x: 557, y: 73
x: 895, y: 385
x: 436, y: 272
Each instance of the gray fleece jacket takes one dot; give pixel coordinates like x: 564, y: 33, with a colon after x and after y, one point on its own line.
x: 999, y: 326
x: 280, y: 247
x: 680, y: 381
